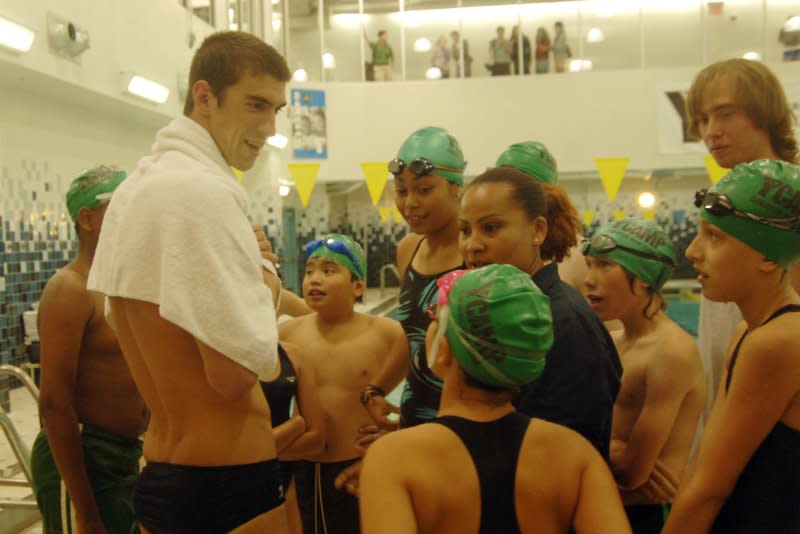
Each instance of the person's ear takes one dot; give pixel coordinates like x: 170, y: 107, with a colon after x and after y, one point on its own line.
x: 202, y: 94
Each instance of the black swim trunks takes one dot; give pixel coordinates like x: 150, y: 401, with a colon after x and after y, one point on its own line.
x: 178, y: 499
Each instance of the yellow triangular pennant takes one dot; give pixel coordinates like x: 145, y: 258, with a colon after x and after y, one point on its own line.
x: 385, y: 211
x: 376, y: 175
x: 611, y: 170
x: 618, y: 214
x: 397, y: 215
x: 715, y: 172
x: 239, y: 174
x: 305, y: 175
x: 588, y: 218
x: 650, y: 215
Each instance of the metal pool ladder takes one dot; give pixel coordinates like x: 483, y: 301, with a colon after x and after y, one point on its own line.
x: 18, y: 447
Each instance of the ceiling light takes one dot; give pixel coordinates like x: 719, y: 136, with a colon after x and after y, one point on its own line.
x: 328, y: 61
x: 595, y: 35
x: 792, y: 23
x: 752, y: 56
x: 300, y: 75
x: 422, y: 45
x: 578, y: 65
x: 14, y: 36
x: 278, y: 141
x: 283, y: 190
x: 647, y: 200
x: 147, y: 89
x: 433, y: 73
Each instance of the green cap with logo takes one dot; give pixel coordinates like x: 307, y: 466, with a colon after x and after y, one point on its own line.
x: 93, y: 188
x: 438, y: 146
x: 342, y: 249
x: 764, y: 188
x: 532, y: 158
x: 639, y: 246
x: 499, y: 325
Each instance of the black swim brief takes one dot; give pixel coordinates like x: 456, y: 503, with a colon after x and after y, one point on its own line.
x: 178, y: 499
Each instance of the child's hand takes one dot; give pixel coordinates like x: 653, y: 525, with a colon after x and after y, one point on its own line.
x: 367, y: 434
x: 380, y: 409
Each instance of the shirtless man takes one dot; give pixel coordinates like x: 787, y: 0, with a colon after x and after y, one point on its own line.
x: 345, y: 349
x: 196, y: 322
x: 740, y: 110
x: 663, y: 386
x: 480, y: 466
x: 85, y: 381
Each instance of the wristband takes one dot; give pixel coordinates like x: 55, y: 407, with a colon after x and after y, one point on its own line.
x: 369, y: 391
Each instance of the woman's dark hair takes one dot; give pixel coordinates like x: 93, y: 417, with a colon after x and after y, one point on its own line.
x: 540, y: 200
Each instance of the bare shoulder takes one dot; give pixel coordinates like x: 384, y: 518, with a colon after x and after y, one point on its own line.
x: 776, y: 345
x: 674, y: 346
x: 388, y: 327
x: 554, y: 447
x: 293, y: 330
x: 405, y: 248
x: 66, y: 286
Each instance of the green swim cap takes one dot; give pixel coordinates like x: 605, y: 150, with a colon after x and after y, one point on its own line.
x: 439, y: 147
x: 92, y: 188
x: 639, y: 246
x: 498, y: 325
x: 763, y: 189
x: 342, y: 249
x: 532, y: 158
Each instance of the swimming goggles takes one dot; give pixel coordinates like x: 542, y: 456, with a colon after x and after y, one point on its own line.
x: 338, y: 246
x: 719, y: 205
x: 419, y: 166
x: 603, y: 244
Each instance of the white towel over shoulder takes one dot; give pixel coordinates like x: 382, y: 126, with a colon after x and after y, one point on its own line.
x: 176, y: 234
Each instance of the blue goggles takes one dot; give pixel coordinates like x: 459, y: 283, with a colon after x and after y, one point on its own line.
x: 338, y: 246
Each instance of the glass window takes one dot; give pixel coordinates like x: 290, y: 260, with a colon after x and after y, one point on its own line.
x: 429, y: 48
x: 610, y: 35
x: 733, y: 29
x: 382, y: 29
x: 240, y: 15
x: 783, y: 31
x: 303, y: 41
x: 553, y: 48
x: 343, y: 37
x: 489, y: 47
x: 673, y: 33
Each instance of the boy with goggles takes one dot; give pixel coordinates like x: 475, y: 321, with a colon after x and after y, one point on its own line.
x: 345, y: 348
x: 746, y: 475
x: 663, y: 387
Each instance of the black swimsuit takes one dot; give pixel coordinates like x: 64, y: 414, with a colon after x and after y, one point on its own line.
x: 279, y: 394
x: 420, y: 399
x: 494, y: 448
x: 767, y: 494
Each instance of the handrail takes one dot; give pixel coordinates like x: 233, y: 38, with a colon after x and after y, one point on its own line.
x: 17, y: 446
x: 22, y: 376
x: 387, y: 267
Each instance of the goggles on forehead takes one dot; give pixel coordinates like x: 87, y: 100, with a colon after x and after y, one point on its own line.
x: 719, y: 205
x: 338, y: 246
x: 418, y: 166
x: 603, y: 244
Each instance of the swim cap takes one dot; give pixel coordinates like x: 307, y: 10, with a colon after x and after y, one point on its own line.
x: 91, y: 188
x: 532, y: 158
x: 498, y: 325
x: 342, y: 249
x: 639, y: 246
x: 439, y: 147
x: 763, y: 188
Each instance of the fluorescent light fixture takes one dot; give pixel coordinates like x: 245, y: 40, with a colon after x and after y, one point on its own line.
x: 300, y: 75
x: 16, y: 37
x: 647, y: 200
x: 328, y: 61
x: 147, y: 89
x: 276, y: 22
x: 595, y: 35
x: 278, y: 141
x: 283, y: 190
x: 422, y: 44
x: 792, y: 23
x: 578, y: 65
x: 752, y: 55
x: 349, y: 20
x: 433, y: 73
x: 276, y: 2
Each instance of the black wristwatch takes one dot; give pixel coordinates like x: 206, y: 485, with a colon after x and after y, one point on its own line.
x: 369, y: 391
